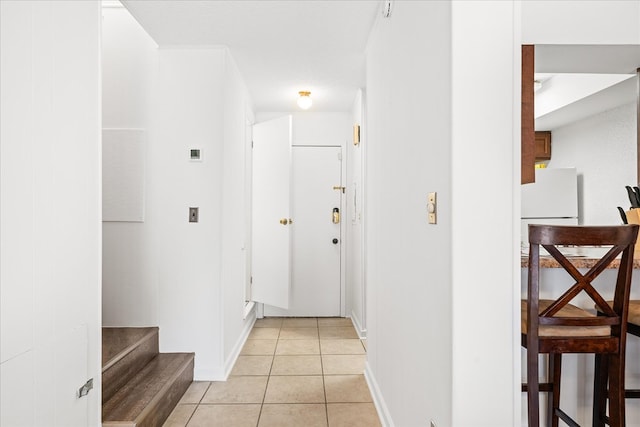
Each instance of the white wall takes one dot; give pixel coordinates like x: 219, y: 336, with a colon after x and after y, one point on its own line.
x: 188, y: 113
x: 320, y: 128
x: 581, y: 22
x: 409, y: 300
x: 603, y: 149
x: 50, y: 212
x: 485, y: 242
x: 235, y: 242
x: 129, y: 66
x: 311, y: 128
x: 186, y: 278
x: 354, y: 221
x: 441, y: 105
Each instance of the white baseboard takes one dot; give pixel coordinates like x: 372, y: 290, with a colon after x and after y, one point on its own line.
x: 221, y: 373
x: 362, y: 332
x: 208, y: 374
x: 237, y: 348
x: 378, y: 400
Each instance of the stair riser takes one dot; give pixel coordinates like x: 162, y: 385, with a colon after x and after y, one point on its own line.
x: 115, y: 377
x: 158, y: 414
x: 159, y: 408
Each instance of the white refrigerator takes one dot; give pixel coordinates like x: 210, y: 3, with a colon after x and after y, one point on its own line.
x: 552, y: 199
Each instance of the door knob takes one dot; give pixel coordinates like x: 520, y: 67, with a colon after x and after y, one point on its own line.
x: 335, y: 241
x: 284, y: 221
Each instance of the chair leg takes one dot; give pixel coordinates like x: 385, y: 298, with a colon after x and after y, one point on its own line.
x: 553, y: 397
x: 601, y: 371
x: 533, y: 389
x: 616, y: 390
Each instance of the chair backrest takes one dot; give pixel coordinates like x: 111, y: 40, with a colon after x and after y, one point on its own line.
x: 621, y: 238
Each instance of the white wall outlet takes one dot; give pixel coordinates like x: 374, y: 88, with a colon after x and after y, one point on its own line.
x: 432, y: 208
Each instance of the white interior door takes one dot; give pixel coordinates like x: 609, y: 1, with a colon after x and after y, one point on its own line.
x: 316, y: 240
x: 271, y: 266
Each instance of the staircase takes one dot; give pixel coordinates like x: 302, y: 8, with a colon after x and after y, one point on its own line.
x: 140, y: 386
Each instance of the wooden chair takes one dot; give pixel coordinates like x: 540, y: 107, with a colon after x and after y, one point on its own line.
x: 600, y: 374
x: 555, y: 327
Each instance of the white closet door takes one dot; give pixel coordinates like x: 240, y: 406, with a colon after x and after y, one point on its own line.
x: 271, y: 259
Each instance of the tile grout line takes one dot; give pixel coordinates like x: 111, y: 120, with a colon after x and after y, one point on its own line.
x: 198, y: 404
x: 324, y: 386
x: 270, y: 373
x: 273, y: 359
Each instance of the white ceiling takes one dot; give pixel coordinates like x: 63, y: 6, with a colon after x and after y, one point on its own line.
x: 600, y: 59
x: 566, y: 69
x: 281, y: 47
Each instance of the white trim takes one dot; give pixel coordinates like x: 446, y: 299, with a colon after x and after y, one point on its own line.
x: 248, y: 307
x: 208, y: 374
x: 344, y: 240
x: 259, y: 310
x: 362, y: 333
x: 516, y: 191
x: 364, y: 219
x: 378, y: 400
x: 194, y: 47
x: 112, y: 4
x: 235, y: 352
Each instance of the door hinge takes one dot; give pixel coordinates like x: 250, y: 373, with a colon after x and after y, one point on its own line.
x: 86, y: 388
x: 251, y: 280
x: 340, y: 156
x: 251, y: 144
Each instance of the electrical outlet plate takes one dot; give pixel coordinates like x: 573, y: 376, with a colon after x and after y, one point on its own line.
x: 432, y: 208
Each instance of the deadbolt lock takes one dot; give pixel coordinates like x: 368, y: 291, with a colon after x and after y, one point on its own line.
x: 336, y: 216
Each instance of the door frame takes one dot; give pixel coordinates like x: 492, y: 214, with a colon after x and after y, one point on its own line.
x: 248, y: 211
x: 343, y: 217
x: 364, y: 209
x: 342, y: 143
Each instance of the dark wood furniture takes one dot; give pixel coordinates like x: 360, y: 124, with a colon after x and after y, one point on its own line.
x: 543, y: 145
x: 527, y: 120
x: 633, y: 328
x: 555, y: 327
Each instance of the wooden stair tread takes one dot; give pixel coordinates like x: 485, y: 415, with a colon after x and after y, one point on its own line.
x: 118, y: 342
x: 140, y: 396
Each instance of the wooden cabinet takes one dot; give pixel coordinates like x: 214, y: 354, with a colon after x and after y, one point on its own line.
x: 543, y: 146
x: 527, y: 165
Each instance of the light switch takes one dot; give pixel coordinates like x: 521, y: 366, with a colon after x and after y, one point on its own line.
x: 193, y: 214
x: 195, y: 154
x: 432, y: 208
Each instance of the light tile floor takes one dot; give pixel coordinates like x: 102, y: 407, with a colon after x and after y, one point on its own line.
x: 291, y: 372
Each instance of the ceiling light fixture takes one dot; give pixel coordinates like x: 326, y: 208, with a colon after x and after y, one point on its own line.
x: 304, y: 101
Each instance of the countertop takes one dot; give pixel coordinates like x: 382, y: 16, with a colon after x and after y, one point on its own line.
x: 581, y: 258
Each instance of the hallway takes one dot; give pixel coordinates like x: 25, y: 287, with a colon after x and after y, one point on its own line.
x: 291, y: 372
